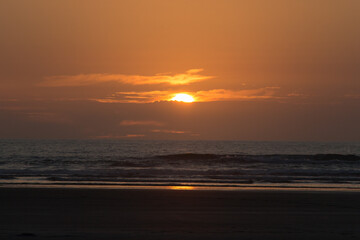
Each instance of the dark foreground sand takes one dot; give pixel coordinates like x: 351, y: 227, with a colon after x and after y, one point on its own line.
x: 168, y: 214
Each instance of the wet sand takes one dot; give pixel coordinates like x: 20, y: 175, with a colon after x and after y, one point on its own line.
x: 40, y: 213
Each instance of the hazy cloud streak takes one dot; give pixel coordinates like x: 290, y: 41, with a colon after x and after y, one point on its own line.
x: 188, y: 77
x: 167, y: 131
x: 140, y: 123
x: 120, y: 136
x: 230, y: 95
x: 199, y: 96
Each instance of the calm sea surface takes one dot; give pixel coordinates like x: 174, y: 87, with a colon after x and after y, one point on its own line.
x: 179, y: 163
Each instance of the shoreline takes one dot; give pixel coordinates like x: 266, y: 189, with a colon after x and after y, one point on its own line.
x: 186, y: 187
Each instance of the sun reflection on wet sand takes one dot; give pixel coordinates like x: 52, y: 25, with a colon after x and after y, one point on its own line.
x: 181, y: 188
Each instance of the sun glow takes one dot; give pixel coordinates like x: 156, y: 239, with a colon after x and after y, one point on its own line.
x: 183, y: 97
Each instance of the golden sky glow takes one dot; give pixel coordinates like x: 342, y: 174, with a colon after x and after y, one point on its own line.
x: 257, y: 70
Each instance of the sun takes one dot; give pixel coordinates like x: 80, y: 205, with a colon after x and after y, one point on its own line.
x: 183, y: 97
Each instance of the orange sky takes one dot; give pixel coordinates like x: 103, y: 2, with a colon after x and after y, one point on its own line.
x: 258, y: 70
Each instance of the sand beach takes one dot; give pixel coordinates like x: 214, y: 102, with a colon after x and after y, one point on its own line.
x: 64, y: 213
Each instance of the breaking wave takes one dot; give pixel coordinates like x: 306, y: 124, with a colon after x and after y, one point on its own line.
x: 177, y: 162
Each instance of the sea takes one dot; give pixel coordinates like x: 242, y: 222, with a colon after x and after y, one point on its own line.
x: 179, y: 164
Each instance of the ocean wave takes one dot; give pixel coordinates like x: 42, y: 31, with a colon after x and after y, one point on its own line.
x: 187, y: 158
x: 186, y: 167
x: 199, y: 156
